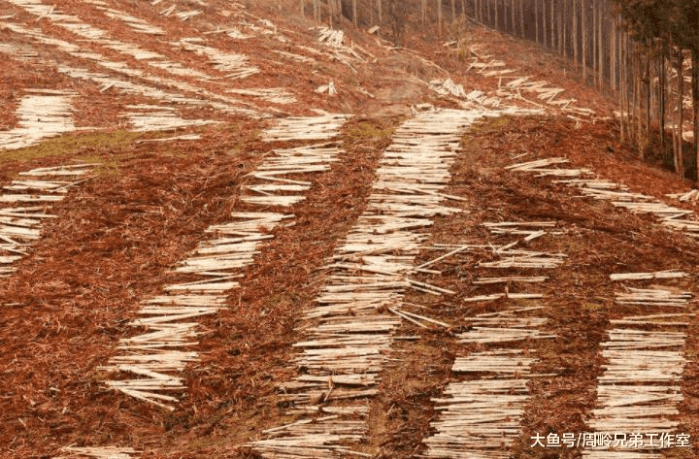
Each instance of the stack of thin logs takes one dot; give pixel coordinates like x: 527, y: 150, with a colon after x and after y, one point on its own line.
x: 148, y: 118
x: 42, y: 114
x: 673, y: 218
x: 639, y: 389
x: 333, y: 39
x: 107, y: 452
x: 481, y: 417
x: 136, y: 24
x: 182, y: 15
x: 489, y: 67
x: 634, y: 396
x: 348, y: 331
x: 25, y: 207
x: 279, y: 96
x: 158, y: 355
x: 86, y: 31
x: 234, y: 65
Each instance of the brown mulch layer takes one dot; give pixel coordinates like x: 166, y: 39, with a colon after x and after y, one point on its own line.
x: 247, y: 349
x: 114, y: 239
x: 597, y: 239
x: 86, y: 277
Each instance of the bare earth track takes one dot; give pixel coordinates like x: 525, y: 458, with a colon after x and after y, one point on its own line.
x: 292, y: 242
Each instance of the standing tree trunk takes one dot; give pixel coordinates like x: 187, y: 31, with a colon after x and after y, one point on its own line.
x: 614, y: 35
x: 661, y: 100
x: 695, y: 112
x: 521, y: 18
x: 544, y: 21
x: 453, y: 10
x: 424, y: 11
x: 495, y: 4
x: 439, y: 16
x: 647, y: 84
x: 561, y: 45
x: 354, y: 12
x: 622, y: 85
x: 552, y: 28
x: 536, y: 19
x: 600, y: 48
x: 594, y: 61
x: 575, y: 32
x: 583, y: 31
x: 680, y: 107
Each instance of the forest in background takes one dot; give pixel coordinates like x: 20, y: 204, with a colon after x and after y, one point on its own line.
x: 643, y: 52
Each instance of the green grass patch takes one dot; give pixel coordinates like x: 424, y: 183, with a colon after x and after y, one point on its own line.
x: 72, y: 143
x: 367, y: 129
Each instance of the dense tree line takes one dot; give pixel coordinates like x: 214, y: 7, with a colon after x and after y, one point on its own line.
x: 642, y: 51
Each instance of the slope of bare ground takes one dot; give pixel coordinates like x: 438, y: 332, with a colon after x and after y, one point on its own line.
x: 113, y: 241
x: 147, y: 205
x: 598, y: 240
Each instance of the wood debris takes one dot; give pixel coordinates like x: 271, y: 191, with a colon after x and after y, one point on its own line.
x: 525, y: 259
x: 633, y: 395
x: 646, y: 276
x: 321, y: 127
x: 489, y: 67
x: 348, y: 333
x: 691, y: 195
x: 234, y: 65
x: 40, y: 116
x: 672, y: 218
x: 477, y: 418
x: 639, y: 389
x: 186, y: 15
x: 105, y: 452
x: 156, y: 358
x: 147, y: 118
x: 129, y: 74
x: 20, y: 226
x: 327, y: 88
x: 501, y: 335
x: 274, y: 95
x: 330, y: 37
x: 509, y: 279
x: 498, y: 296
x: 653, y: 297
x: 448, y: 87
x: 296, y: 57
x: 136, y: 24
x: 480, y: 418
x: 275, y: 172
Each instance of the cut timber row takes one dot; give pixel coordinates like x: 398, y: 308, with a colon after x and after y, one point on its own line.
x: 128, y: 81
x: 157, y: 357
x: 481, y: 417
x: 25, y: 207
x: 40, y: 116
x: 348, y: 331
x: 639, y: 389
x: 673, y: 218
x: 108, y: 452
